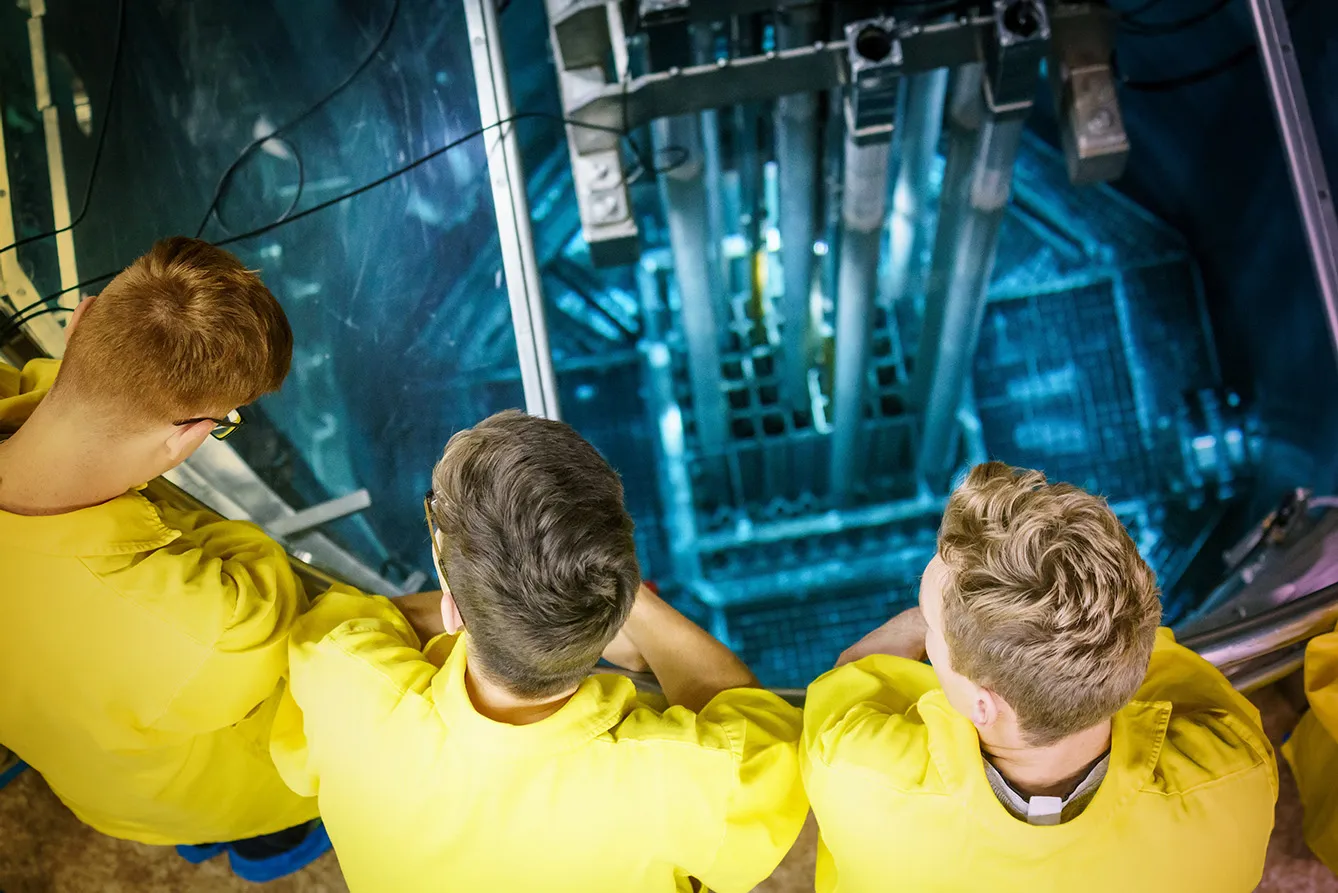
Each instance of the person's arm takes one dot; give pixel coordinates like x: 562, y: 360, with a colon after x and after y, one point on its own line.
x: 230, y: 587
x: 353, y: 658
x: 691, y: 665
x: 902, y: 636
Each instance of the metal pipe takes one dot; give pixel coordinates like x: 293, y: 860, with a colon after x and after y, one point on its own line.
x: 923, y: 506
x: 55, y: 151
x: 1305, y: 164
x: 863, y: 206
x: 797, y: 160
x: 697, y: 271
x: 703, y: 39
x: 1269, y: 631
x: 507, y: 173
x: 673, y: 477
x: 954, y: 319
x: 966, y: 108
x: 908, y: 225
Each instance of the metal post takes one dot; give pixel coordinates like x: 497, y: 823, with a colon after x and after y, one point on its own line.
x: 908, y: 229
x: 697, y: 271
x: 55, y: 153
x: 797, y: 160
x: 966, y: 109
x: 1299, y: 143
x: 958, y: 314
x: 863, y: 206
x: 513, y: 210
x: 704, y: 49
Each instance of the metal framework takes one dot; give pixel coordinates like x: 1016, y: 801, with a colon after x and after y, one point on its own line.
x: 1305, y: 164
x: 507, y: 174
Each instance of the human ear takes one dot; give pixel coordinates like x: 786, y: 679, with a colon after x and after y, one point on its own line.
x: 450, y: 613
x: 78, y: 315
x: 186, y: 439
x: 984, y: 708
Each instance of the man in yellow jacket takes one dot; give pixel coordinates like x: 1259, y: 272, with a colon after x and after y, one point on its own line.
x: 1312, y: 750
x: 141, y: 645
x: 488, y: 758
x: 1059, y: 741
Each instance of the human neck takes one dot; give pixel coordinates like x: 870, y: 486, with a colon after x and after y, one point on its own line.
x: 1051, y: 771
x: 500, y: 705
x: 51, y: 466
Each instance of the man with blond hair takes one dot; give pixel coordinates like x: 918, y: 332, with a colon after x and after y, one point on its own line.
x: 142, y: 645
x: 1059, y: 741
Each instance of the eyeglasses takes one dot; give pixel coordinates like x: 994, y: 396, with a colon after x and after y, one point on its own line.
x: 432, y: 534
x: 222, y: 427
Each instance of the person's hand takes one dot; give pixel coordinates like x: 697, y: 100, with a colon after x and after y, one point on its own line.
x: 902, y: 636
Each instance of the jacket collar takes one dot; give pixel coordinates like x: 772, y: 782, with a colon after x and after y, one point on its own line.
x: 597, y: 707
x: 1138, y: 732
x: 125, y: 525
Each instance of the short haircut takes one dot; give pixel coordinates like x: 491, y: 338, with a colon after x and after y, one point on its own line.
x: 185, y: 331
x: 537, y: 550
x: 1047, y: 601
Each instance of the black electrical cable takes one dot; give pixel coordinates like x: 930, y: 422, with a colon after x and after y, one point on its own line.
x: 1161, y: 29
x: 296, y: 156
x: 19, y: 318
x: 102, y: 138
x: 225, y: 181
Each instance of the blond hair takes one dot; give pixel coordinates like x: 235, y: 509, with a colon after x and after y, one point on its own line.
x: 1047, y: 601
x: 184, y: 331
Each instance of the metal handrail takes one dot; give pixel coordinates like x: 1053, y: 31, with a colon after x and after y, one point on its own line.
x: 1235, y: 644
x: 1252, y: 652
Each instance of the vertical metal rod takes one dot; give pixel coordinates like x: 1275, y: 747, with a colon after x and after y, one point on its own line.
x: 512, y: 206
x: 972, y: 244
x: 697, y: 270
x: 673, y: 477
x: 863, y: 206
x: 1305, y: 164
x: 908, y: 226
x: 55, y: 151
x: 703, y: 42
x: 16, y: 289
x: 797, y: 160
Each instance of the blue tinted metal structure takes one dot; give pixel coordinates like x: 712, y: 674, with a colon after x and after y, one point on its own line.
x: 1093, y: 359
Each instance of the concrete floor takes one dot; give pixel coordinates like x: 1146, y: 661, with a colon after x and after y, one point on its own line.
x: 44, y: 849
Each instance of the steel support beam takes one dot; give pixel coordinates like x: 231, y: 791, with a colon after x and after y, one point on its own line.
x: 512, y: 206
x: 863, y: 207
x: 1305, y: 164
x: 908, y: 226
x: 55, y: 152
x: 818, y: 67
x: 984, y: 138
x: 797, y: 163
x: 697, y: 272
x: 314, y: 516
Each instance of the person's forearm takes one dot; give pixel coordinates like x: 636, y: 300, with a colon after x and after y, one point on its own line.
x: 423, y: 611
x: 692, y: 666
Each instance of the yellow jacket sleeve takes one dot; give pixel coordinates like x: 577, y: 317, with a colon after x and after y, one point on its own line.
x: 1321, y: 680
x: 859, y: 711
x: 765, y: 806
x: 352, y: 657
x: 228, y: 586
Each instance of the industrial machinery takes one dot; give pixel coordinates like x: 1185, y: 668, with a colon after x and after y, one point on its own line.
x: 791, y: 265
